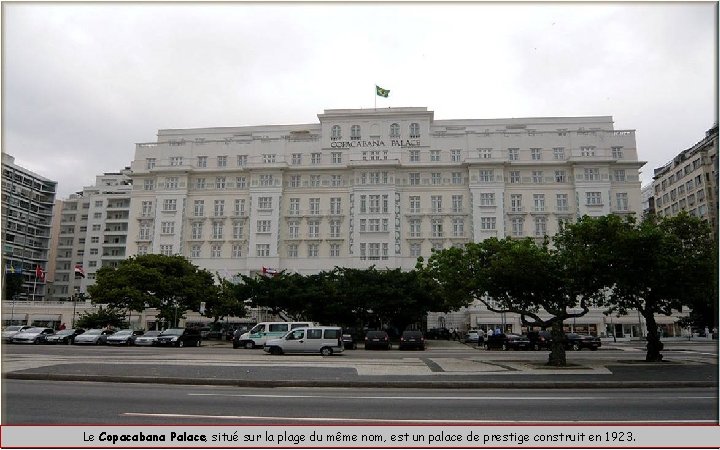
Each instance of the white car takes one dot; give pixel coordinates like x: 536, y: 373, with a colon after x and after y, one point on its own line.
x: 148, y: 338
x: 12, y: 330
x: 33, y: 335
x: 323, y: 340
x: 95, y: 336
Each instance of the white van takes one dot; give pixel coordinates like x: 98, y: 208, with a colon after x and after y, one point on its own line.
x: 323, y: 340
x: 263, y: 331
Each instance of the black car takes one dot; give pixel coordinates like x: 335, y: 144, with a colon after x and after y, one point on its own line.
x: 179, y: 337
x: 539, y: 340
x: 438, y: 333
x: 507, y: 341
x: 576, y: 341
x: 377, y: 339
x: 66, y: 336
x: 348, y: 342
x: 412, y: 339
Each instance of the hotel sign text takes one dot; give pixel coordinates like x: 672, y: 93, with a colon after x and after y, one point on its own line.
x: 376, y: 143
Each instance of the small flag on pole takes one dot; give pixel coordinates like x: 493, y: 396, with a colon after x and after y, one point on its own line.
x: 269, y: 271
x: 39, y: 273
x: 381, y: 92
x: 79, y: 272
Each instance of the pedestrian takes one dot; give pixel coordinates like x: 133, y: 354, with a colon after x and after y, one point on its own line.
x: 497, y: 330
x: 490, y: 331
x: 707, y: 332
x: 481, y: 337
x: 62, y: 326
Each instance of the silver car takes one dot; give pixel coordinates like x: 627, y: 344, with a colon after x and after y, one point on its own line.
x: 12, y: 330
x: 96, y: 336
x: 34, y: 335
x: 124, y: 337
x: 148, y: 338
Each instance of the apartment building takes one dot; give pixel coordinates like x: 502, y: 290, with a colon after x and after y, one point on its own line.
x: 690, y: 182
x: 27, y: 209
x: 90, y: 232
x: 369, y: 187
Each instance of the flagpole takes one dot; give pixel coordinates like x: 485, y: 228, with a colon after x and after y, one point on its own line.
x: 375, y: 97
x: 34, y: 287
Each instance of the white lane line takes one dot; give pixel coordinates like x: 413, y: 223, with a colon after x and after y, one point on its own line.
x: 338, y: 419
x: 444, y: 398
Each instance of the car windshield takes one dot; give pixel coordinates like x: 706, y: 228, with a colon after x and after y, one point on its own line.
x: 375, y: 334
x: 151, y: 334
x: 94, y: 331
x: 64, y: 332
x: 34, y: 330
x: 123, y: 332
x: 173, y: 332
x: 13, y: 328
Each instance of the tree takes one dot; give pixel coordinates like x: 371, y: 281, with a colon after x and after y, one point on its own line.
x: 661, y: 265
x: 228, y: 301
x: 13, y: 285
x: 170, y: 284
x: 102, y: 318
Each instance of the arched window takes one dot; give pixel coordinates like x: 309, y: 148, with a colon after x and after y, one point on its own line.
x: 336, y: 133
x: 394, y: 130
x: 355, y: 133
x: 414, y: 130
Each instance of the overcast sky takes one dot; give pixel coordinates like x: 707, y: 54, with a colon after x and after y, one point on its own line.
x: 83, y: 83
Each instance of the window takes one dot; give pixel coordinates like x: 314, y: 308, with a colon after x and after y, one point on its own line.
x: 217, y: 230
x: 142, y: 250
x: 238, y: 229
x: 166, y: 250
x: 314, y: 206
x: 167, y: 227
x: 150, y: 163
x: 622, y: 201
x: 263, y: 226
x: 95, y: 240
x: 335, y: 203
x: 237, y: 251
x: 336, y: 180
x: 195, y: 251
x: 294, y: 206
x: 488, y: 223
x: 336, y: 157
x: 262, y: 250
x: 219, y: 208
x: 486, y: 175
x: 619, y: 175
x: 171, y: 182
x: 414, y: 227
x: 435, y: 178
x: 296, y: 159
x: 313, y: 250
x: 539, y: 202
x: 292, y: 250
x: 435, y: 155
x: 149, y: 185
x: 170, y: 204
x: 315, y: 180
x: 220, y: 182
x: 242, y: 160
x: 200, y: 183
x: 414, y: 130
x: 457, y: 203
x: 314, y: 229
x: 592, y: 174
x: 517, y: 224
x: 264, y: 202
x: 457, y: 178
x: 593, y: 198
x: 394, y: 130
x: 315, y: 158
x: 334, y: 228
x: 587, y: 151
x: 414, y: 155
x: 436, y: 227
x: 415, y: 179
x: 540, y: 226
x: 202, y: 161
x: 617, y: 152
x: 239, y: 206
x: 536, y: 154
x: 487, y: 199
x: 560, y: 176
x: 559, y: 153
x: 516, y: 202
x: 222, y: 161
x: 294, y: 229
x: 144, y: 232
x: 562, y: 202
x: 458, y: 227
x: 146, y: 208
x: 415, y: 250
x: 96, y: 227
x: 436, y: 203
x: 455, y: 156
x: 513, y: 154
x: 295, y: 181
x: 335, y: 133
x: 537, y: 176
x: 241, y: 182
x: 355, y: 133
x: 414, y: 204
x: 334, y: 250
x: 515, y: 176
x: 266, y: 180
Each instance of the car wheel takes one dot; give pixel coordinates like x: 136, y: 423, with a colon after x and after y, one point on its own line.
x: 67, y: 341
x: 576, y: 347
x: 275, y: 351
x: 536, y: 347
x: 593, y: 348
x: 181, y: 344
x: 249, y: 345
x: 326, y: 351
x: 504, y: 347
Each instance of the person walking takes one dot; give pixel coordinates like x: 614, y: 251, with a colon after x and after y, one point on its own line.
x: 481, y: 337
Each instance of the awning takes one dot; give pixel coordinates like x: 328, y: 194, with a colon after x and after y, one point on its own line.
x: 14, y: 316
x: 48, y: 317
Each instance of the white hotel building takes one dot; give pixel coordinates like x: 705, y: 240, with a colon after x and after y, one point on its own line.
x: 371, y: 187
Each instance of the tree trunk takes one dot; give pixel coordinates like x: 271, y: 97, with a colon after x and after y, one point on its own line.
x: 654, y: 346
x: 557, y: 348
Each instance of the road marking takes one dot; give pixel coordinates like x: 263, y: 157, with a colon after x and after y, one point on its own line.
x: 338, y: 419
x: 444, y: 398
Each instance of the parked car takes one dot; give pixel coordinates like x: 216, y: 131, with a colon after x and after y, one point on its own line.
x: 580, y: 341
x: 323, y: 340
x: 438, y: 333
x: 147, y: 338
x: 377, y: 339
x: 507, y: 341
x: 179, y: 337
x: 66, y: 336
x: 472, y: 337
x: 96, y: 336
x: 34, y: 335
x: 539, y: 340
x: 412, y: 339
x: 124, y: 337
x: 348, y: 341
x: 264, y: 331
x: 12, y: 330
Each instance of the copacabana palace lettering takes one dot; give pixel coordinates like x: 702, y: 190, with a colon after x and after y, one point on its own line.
x: 376, y: 143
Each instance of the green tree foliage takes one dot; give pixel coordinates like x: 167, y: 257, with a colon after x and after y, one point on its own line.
x: 102, y: 318
x: 229, y: 300
x: 169, y: 283
x: 12, y: 286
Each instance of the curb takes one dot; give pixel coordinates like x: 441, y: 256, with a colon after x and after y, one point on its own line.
x: 368, y: 384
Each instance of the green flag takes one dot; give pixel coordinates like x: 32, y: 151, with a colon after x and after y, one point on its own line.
x: 382, y: 92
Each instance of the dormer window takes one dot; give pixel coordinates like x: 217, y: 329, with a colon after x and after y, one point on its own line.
x: 395, y: 130
x: 414, y: 130
x: 335, y: 133
x: 355, y: 133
